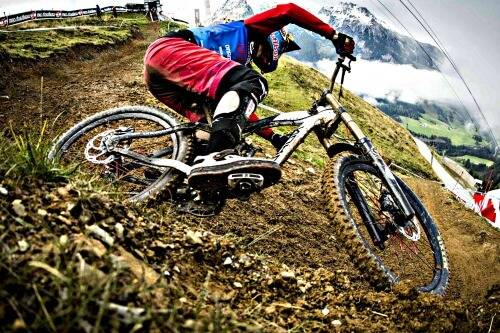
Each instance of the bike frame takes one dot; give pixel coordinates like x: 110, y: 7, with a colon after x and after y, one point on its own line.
x: 324, y: 118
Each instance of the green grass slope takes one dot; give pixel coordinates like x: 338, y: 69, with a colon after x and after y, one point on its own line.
x: 46, y: 38
x: 294, y: 86
x: 474, y: 160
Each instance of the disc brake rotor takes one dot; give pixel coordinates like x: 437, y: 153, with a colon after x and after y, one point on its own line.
x: 96, y: 150
x: 411, y: 231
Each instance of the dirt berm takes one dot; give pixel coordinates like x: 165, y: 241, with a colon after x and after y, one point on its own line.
x: 75, y: 260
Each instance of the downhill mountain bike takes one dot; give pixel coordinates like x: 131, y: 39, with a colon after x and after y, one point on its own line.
x: 147, y: 153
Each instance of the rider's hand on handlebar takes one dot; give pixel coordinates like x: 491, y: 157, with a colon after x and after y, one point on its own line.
x: 344, y: 44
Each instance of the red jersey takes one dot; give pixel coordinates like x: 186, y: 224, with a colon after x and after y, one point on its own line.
x: 276, y: 18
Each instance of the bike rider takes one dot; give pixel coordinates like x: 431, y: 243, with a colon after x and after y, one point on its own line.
x: 182, y: 67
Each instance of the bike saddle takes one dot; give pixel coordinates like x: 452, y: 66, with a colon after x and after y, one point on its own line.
x: 236, y: 173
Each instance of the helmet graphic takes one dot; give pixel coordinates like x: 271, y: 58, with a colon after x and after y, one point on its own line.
x: 276, y: 44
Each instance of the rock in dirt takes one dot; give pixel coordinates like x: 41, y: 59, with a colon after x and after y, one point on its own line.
x: 325, y: 311
x: 89, y: 273
x: 159, y: 244
x: 228, y: 262
x: 41, y: 212
x: 63, y: 219
x: 194, y: 237
x: 101, y: 234
x: 336, y: 323
x: 141, y: 270
x: 119, y: 230
x: 237, y: 285
x: 63, y: 240
x: 311, y: 171
x: 63, y: 192
x: 18, y: 207
x: 245, y: 260
x: 23, y: 245
x: 3, y: 191
x: 288, y: 275
x: 19, y: 325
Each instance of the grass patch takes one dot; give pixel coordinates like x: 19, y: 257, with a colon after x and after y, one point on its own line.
x: 428, y: 126
x: 24, y: 157
x: 166, y: 26
x: 473, y: 160
x: 19, y: 44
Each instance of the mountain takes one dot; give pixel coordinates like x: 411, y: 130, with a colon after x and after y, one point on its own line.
x: 374, y: 40
x: 232, y: 10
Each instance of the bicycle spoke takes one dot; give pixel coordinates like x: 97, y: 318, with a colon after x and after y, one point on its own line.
x: 406, y: 258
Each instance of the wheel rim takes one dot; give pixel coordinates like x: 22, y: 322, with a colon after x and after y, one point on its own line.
x: 410, y: 252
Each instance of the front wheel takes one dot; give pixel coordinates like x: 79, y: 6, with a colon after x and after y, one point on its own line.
x: 83, y: 146
x: 414, y: 252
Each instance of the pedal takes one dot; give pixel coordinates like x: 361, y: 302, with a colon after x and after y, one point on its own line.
x: 244, y: 184
x: 243, y: 175
x: 245, y: 181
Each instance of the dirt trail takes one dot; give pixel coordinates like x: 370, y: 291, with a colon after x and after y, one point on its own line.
x: 83, y: 83
x: 473, y: 245
x: 287, y: 222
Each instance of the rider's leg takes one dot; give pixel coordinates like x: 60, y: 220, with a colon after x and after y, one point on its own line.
x: 245, y: 82
x: 238, y: 100
x: 240, y: 91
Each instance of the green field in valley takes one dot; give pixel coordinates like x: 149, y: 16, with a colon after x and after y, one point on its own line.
x: 473, y: 160
x: 428, y: 126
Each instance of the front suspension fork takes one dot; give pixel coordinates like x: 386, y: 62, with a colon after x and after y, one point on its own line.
x: 407, y: 212
x: 377, y: 235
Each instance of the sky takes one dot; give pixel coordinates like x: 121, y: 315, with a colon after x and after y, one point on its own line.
x: 469, y: 30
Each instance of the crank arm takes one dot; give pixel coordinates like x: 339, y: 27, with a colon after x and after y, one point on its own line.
x: 153, y: 161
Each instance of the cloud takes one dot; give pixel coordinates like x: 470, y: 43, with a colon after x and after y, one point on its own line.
x: 394, y: 82
x: 374, y: 79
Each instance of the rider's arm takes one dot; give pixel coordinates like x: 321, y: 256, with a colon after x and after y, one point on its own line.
x: 276, y: 18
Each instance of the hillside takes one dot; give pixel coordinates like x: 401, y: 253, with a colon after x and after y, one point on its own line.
x: 75, y: 259
x: 294, y: 87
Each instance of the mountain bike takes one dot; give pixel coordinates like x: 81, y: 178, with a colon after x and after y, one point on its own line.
x: 145, y: 153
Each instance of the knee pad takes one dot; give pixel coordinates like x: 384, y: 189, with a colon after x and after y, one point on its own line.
x: 230, y: 117
x: 234, y: 104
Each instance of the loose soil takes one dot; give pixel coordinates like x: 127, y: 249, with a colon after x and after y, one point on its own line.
x: 284, y: 229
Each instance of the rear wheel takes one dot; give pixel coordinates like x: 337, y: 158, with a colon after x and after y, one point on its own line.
x: 82, y: 147
x: 414, y: 253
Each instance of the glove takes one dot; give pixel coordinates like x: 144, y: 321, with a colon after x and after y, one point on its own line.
x: 344, y: 44
x: 279, y: 140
